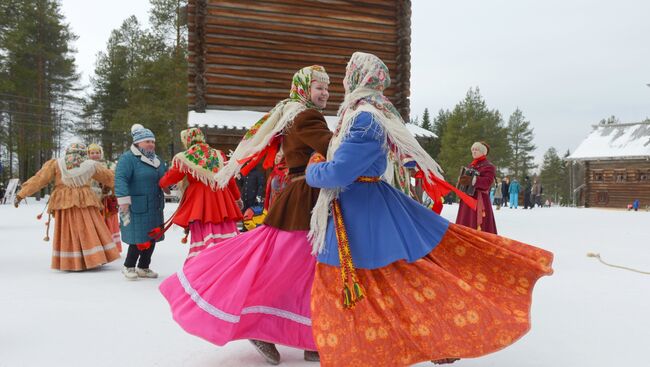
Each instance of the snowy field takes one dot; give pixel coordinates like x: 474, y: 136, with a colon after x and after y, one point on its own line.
x: 585, y: 315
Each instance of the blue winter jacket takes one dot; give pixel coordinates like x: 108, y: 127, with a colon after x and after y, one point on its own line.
x: 136, y: 183
x: 514, y: 187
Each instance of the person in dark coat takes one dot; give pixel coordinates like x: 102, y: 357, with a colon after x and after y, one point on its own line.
x: 252, y: 188
x: 483, y: 217
x: 505, y: 186
x: 528, y: 191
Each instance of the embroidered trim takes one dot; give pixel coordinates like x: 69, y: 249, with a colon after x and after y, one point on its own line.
x: 81, y: 253
x: 213, y: 311
x: 213, y: 236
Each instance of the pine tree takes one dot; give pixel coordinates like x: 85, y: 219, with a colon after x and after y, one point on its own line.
x: 142, y: 78
x: 439, y: 126
x: 554, y: 177
x: 426, y: 120
x: 520, y: 136
x: 471, y: 121
x: 609, y: 121
x: 38, y: 80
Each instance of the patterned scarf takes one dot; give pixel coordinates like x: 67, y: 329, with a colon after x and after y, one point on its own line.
x: 263, y: 138
x: 75, y: 154
x: 365, y: 80
x: 199, y: 160
x: 76, y: 169
x: 150, y: 154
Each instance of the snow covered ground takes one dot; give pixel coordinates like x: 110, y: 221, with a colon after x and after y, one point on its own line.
x: 586, y: 314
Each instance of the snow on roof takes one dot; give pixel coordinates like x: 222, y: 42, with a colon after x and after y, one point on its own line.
x: 615, y: 141
x: 242, y: 119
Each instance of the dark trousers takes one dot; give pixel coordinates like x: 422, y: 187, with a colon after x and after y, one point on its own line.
x: 142, y: 257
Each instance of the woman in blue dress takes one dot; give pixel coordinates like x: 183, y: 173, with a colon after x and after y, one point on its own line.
x: 395, y: 283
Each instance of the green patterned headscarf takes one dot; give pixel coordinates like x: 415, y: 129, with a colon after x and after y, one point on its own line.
x: 300, y: 87
x: 265, y: 132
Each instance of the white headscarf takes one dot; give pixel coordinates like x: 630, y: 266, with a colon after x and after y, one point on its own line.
x: 366, y: 78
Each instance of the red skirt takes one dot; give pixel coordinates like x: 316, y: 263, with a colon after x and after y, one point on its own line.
x: 469, y: 297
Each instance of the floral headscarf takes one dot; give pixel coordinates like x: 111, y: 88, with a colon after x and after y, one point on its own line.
x: 75, y: 154
x: 300, y: 88
x: 192, y: 136
x: 263, y: 137
x: 199, y: 160
x: 76, y: 169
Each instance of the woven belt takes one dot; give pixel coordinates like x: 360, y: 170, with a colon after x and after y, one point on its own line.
x: 368, y: 179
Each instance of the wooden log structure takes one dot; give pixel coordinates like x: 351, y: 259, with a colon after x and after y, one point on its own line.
x: 242, y: 54
x: 616, y: 163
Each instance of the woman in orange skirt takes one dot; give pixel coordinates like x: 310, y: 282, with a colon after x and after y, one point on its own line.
x: 81, y: 239
x: 395, y: 283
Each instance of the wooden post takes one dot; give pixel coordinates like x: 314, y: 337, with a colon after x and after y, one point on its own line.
x: 199, y: 63
x: 403, y: 59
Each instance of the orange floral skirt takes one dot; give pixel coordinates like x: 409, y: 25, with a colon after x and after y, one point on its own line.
x: 469, y: 297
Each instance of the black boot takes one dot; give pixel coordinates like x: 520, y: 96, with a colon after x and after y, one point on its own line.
x: 445, y: 360
x: 267, y: 350
x: 312, y: 356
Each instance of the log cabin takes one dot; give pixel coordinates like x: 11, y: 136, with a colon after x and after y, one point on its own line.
x: 615, y: 159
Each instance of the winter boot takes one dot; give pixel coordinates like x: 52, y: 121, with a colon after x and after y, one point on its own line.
x: 129, y: 273
x: 267, y: 350
x: 312, y: 356
x: 146, y: 273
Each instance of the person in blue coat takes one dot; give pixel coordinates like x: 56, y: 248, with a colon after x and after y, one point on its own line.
x: 140, y: 200
x: 513, y: 190
x: 396, y: 283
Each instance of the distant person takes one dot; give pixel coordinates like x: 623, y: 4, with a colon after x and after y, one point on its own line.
x: 492, y: 189
x: 2, y: 193
x: 252, y: 187
x: 505, y: 185
x: 482, y: 218
x: 635, y: 205
x: 498, y: 194
x: 106, y: 195
x: 528, y: 189
x: 513, y: 190
x: 537, y: 193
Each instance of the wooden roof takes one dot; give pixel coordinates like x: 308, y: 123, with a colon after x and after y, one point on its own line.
x: 242, y: 54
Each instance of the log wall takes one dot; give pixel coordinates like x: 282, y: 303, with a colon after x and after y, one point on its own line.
x: 616, y: 183
x: 242, y: 54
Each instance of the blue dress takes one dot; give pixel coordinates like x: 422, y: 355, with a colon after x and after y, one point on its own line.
x: 408, y: 231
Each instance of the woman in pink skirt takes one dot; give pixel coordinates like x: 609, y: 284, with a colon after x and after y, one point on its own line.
x: 257, y: 285
x: 210, y: 213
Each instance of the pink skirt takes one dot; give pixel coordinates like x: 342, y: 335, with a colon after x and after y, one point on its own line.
x: 205, y: 235
x: 253, y: 286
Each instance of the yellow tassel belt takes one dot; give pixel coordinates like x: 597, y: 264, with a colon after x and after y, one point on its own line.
x: 352, y: 289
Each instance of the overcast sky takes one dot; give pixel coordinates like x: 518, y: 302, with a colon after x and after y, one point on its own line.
x: 565, y: 63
